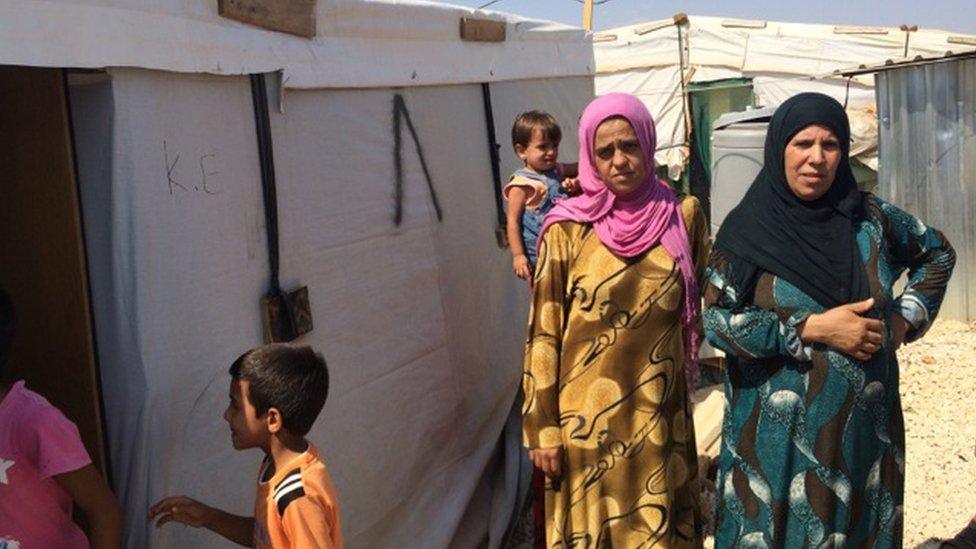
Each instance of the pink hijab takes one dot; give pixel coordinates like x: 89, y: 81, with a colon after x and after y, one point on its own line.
x: 632, y: 225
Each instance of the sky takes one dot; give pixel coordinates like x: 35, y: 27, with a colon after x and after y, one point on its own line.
x: 950, y: 15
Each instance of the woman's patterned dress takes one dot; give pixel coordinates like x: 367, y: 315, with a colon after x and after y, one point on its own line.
x: 604, y: 379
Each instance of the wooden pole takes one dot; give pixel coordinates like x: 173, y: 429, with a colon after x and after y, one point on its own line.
x: 588, y: 14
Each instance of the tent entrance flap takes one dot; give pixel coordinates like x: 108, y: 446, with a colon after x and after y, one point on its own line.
x: 43, y: 266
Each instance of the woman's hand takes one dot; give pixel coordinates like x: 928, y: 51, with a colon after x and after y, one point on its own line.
x: 550, y: 460
x: 520, y: 266
x: 844, y: 329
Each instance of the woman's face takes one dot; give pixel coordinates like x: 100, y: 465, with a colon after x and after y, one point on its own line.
x: 811, y: 159
x: 618, y: 156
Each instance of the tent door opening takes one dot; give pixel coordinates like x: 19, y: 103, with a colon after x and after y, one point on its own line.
x: 42, y: 256
x: 708, y: 101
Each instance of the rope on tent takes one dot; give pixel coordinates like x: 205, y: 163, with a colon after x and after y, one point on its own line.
x: 262, y: 124
x: 284, y: 315
x: 400, y: 112
x: 684, y: 76
x: 496, y: 169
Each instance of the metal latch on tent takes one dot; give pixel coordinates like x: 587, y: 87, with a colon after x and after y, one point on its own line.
x: 284, y: 315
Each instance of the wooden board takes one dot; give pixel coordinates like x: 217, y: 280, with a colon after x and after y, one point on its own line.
x: 482, y: 30
x: 290, y: 16
x: 42, y: 259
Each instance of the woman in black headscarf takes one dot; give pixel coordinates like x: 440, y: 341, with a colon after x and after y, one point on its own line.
x: 799, y: 296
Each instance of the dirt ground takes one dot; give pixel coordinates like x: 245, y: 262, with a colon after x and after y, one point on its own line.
x: 938, y: 387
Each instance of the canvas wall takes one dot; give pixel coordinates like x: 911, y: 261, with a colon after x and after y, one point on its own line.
x: 422, y: 324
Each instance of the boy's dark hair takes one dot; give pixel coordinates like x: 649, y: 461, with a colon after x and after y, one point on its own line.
x: 530, y: 120
x: 7, y: 321
x: 292, y: 378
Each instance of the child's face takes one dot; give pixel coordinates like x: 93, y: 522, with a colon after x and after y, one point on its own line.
x: 540, y: 154
x: 247, y: 428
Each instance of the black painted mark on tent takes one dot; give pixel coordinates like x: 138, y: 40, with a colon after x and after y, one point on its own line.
x: 400, y: 112
x: 206, y: 173
x: 170, y: 168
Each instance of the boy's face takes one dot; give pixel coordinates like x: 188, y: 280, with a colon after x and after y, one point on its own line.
x: 247, y: 428
x: 540, y: 154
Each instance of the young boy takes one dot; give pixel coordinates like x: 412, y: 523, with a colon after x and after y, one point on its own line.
x: 45, y: 471
x: 276, y: 392
x: 532, y: 188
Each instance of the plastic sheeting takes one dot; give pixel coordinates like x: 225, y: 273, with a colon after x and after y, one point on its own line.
x: 660, y: 90
x: 359, y: 43
x: 928, y: 160
x: 422, y: 324
x: 782, y: 59
x: 763, y: 46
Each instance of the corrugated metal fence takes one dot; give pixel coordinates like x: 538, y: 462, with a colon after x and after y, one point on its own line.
x: 927, y: 141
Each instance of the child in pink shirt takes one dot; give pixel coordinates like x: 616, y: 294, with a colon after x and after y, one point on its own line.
x: 44, y: 468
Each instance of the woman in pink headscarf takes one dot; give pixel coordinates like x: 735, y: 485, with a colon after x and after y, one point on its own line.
x: 612, y: 345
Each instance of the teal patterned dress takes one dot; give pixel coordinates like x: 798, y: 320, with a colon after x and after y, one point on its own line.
x: 813, y: 441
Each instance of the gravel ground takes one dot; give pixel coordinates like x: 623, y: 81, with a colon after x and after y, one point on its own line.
x: 938, y: 387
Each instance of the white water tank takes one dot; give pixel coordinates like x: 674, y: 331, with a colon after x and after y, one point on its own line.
x: 737, y: 156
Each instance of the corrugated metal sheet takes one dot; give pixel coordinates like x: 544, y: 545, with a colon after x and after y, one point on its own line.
x: 927, y: 139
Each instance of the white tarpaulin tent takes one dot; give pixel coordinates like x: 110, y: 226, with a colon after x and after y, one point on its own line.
x: 422, y: 323
x: 782, y: 59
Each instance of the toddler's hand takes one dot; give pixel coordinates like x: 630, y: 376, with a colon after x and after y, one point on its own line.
x: 550, y: 460
x: 180, y: 509
x: 520, y: 266
x: 571, y: 185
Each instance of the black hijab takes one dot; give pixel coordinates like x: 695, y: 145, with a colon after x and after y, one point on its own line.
x: 811, y: 244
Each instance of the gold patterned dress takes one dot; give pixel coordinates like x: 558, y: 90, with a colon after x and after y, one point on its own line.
x: 604, y: 379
